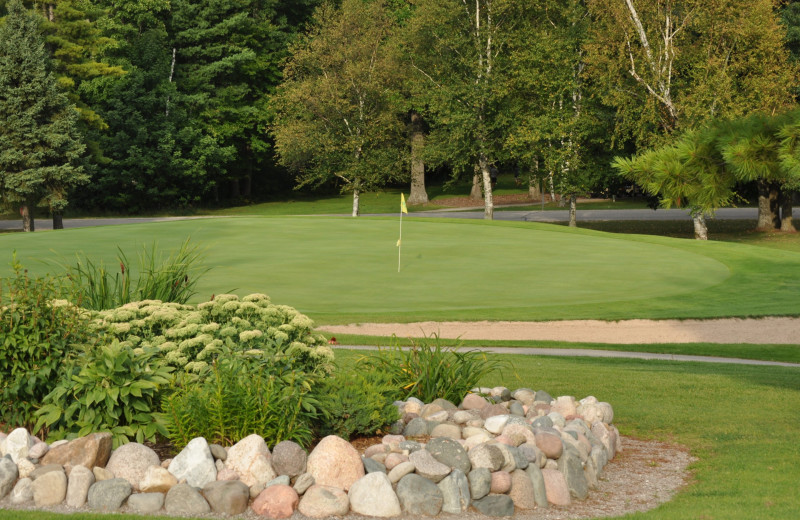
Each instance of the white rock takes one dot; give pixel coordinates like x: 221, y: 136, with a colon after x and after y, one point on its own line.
x: 25, y: 467
x: 22, y: 492
x: 80, y: 480
x: 496, y: 423
x: 372, y: 495
x: 195, y: 464
x: 250, y: 458
x: 18, y: 444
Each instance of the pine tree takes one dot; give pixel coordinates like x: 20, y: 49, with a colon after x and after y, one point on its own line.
x: 39, y: 141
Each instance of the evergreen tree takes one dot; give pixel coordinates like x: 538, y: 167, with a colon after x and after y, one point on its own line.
x: 39, y: 140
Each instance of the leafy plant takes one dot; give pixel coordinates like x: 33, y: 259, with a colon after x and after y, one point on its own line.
x: 429, y: 370
x: 240, y: 394
x: 189, y: 337
x: 38, y: 334
x: 358, y: 403
x: 170, y: 279
x: 111, y: 388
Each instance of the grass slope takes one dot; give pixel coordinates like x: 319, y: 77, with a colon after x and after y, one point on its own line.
x: 342, y: 270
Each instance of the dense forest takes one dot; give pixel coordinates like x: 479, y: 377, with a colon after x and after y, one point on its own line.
x: 131, y: 106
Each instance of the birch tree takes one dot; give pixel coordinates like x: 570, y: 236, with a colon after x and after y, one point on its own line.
x: 669, y: 65
x: 460, y: 59
x: 337, y: 117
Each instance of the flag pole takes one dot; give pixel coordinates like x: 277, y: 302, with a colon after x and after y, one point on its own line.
x: 400, y: 242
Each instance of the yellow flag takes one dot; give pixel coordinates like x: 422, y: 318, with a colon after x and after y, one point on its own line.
x: 403, y: 207
x: 398, y: 242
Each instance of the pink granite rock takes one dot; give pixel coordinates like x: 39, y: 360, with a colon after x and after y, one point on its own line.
x: 90, y: 451
x: 501, y: 482
x: 550, y: 444
x: 473, y: 402
x: 393, y: 459
x: 335, y: 462
x: 555, y: 486
x: 278, y: 501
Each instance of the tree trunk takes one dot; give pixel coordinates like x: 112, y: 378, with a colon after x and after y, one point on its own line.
x: 247, y: 186
x: 552, y: 188
x: 235, y: 191
x: 700, y: 227
x: 476, y: 193
x: 356, y: 209
x: 58, y: 220
x: 26, y: 211
x: 767, y: 205
x: 418, y: 194
x: 488, y: 212
x: 786, y: 212
x: 573, y: 207
x: 533, y: 189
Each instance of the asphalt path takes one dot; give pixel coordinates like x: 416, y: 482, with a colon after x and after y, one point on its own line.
x: 585, y: 215
x: 615, y: 354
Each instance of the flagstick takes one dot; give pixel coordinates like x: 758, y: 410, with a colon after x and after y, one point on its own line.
x: 400, y: 241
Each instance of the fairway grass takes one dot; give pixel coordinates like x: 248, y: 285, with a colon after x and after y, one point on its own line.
x: 342, y: 270
x: 739, y: 421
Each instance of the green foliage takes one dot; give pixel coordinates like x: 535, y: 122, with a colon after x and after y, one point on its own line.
x: 190, y: 338
x: 358, y: 403
x: 170, y: 279
x: 429, y: 370
x: 110, y: 388
x: 39, y: 139
x: 244, y: 393
x: 38, y: 334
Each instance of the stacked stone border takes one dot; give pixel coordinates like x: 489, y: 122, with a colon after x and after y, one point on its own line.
x: 496, y: 453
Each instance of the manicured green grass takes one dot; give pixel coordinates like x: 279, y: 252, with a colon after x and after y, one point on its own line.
x: 344, y: 270
x: 765, y: 352
x: 737, y: 420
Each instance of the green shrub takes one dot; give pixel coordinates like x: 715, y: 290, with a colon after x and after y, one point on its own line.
x: 38, y: 334
x: 430, y: 371
x: 170, y: 279
x: 109, y: 388
x: 243, y: 393
x: 189, y: 337
x: 358, y: 403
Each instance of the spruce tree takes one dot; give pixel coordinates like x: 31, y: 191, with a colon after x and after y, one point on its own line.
x: 39, y: 140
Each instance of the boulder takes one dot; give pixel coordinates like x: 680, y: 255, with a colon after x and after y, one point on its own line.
x: 501, y: 482
x: 8, y: 475
x: 495, y: 505
x: 130, y: 461
x: 289, y: 458
x: 26, y: 467
x: 335, y: 462
x: 195, y: 464
x: 251, y: 460
x: 372, y: 465
x: 372, y: 495
x: 302, y: 483
x: 157, y: 480
x: 455, y: 492
x: 38, y: 450
x: 427, y: 466
x: 493, y: 410
x: 447, y: 430
x: 276, y: 502
x: 571, y: 467
x: 146, y: 503
x: 450, y: 453
x: 419, y: 496
x: 416, y: 427
x: 522, y: 492
x: 185, y: 500
x: 80, y: 480
x: 43, y: 470
x: 400, y: 471
x: 556, y: 487
x: 480, y: 482
x: 550, y: 444
x: 90, y: 451
x: 496, y: 423
x: 218, y: 452
x: 227, y: 497
x: 486, y: 456
x: 108, y: 495
x: 22, y: 492
x: 18, y: 444
x: 537, y: 480
x: 50, y: 489
x: 324, y: 501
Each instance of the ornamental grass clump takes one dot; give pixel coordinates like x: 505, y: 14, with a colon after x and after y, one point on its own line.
x: 428, y: 371
x: 189, y: 337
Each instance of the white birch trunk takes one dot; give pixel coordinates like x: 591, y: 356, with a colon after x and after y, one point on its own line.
x: 488, y: 211
x: 700, y: 227
x: 356, y: 209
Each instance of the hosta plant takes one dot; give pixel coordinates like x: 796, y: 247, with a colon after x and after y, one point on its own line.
x: 109, y: 388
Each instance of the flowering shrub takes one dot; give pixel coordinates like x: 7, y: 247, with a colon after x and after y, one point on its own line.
x: 190, y: 337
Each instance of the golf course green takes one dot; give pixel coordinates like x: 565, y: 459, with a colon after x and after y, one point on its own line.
x: 343, y: 269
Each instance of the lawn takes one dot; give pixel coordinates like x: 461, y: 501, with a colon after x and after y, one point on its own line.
x: 738, y: 420
x: 341, y: 270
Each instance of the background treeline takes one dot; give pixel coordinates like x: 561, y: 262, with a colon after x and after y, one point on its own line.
x: 184, y: 103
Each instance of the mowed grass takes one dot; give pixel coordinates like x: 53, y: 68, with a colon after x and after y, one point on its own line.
x: 737, y: 420
x: 341, y: 270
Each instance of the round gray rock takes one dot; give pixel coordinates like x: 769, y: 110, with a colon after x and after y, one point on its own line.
x: 480, y: 482
x: 372, y: 495
x: 130, y: 461
x: 455, y: 490
x: 289, y: 458
x: 146, y: 502
x: 227, y: 497
x: 427, y: 466
x: 183, y: 499
x: 419, y: 496
x: 416, y: 427
x: 8, y: 475
x: 495, y: 505
x: 324, y: 501
x: 450, y: 453
x: 108, y: 495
